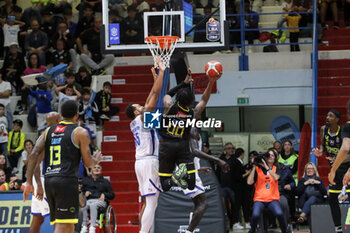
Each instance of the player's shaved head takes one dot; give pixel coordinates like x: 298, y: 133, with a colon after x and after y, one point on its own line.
x: 53, y: 118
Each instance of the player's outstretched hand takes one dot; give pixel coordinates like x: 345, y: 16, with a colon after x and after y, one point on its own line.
x: 218, y: 76
x: 188, y: 78
x: 346, y: 178
x: 160, y: 64
x: 317, y: 152
x: 224, y: 166
x: 27, y: 191
x: 97, y: 156
x: 155, y: 76
x: 331, y: 176
x: 40, y: 192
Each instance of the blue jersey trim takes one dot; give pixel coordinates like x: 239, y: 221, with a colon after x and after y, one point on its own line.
x: 199, y: 188
x: 71, y: 137
x: 153, y: 142
x: 190, y: 193
x: 150, y: 194
x: 155, y: 185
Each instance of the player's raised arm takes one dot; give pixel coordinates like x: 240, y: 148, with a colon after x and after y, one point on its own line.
x: 205, y: 97
x: 156, y: 88
x: 81, y: 136
x: 167, y: 99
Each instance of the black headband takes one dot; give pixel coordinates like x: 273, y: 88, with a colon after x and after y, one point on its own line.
x: 336, y: 113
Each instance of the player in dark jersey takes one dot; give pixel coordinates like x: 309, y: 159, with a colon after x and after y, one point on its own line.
x: 64, y: 144
x: 330, y: 144
x: 174, y: 149
x: 198, y: 197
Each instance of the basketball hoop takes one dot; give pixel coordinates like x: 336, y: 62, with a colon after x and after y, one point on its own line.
x: 163, y: 47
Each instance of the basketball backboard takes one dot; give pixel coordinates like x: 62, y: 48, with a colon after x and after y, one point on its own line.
x: 199, y: 28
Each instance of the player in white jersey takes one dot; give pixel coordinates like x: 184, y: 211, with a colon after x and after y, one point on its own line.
x: 147, y: 145
x: 197, y: 194
x: 40, y: 207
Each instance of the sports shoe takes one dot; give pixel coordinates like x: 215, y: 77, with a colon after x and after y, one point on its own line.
x: 104, y: 117
x: 237, y: 226
x: 92, y: 230
x: 179, y: 174
x: 247, y: 226
x: 289, y: 228
x: 338, y: 229
x: 84, y: 229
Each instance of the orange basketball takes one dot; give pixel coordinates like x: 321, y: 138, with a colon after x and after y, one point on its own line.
x: 213, y: 68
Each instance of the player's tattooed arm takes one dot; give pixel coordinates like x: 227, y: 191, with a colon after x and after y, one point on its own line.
x: 205, y: 98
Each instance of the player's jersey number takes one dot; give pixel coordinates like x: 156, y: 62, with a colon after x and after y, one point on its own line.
x: 55, y: 155
x: 175, y: 130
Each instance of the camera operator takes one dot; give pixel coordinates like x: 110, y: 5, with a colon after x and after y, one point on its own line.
x: 265, y: 175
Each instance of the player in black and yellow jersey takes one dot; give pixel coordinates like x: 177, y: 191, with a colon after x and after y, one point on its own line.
x: 64, y: 144
x: 174, y: 148
x: 331, y: 141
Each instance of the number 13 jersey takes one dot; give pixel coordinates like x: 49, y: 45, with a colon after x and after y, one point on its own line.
x: 62, y: 156
x: 146, y: 140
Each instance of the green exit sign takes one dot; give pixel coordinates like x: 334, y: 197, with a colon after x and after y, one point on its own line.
x: 243, y: 100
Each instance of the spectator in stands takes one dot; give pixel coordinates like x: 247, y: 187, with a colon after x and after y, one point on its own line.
x: 68, y: 15
x: 70, y: 80
x: 289, y: 158
x: 278, y: 146
x: 248, y: 194
x: 6, y: 167
x: 238, y: 187
x: 61, y: 55
x: 11, y: 185
x: 17, y: 11
x: 234, y: 36
x: 36, y: 42
x: 266, y: 174
x: 5, y: 92
x: 93, y: 146
x: 34, y: 67
x: 43, y: 99
x: 13, y: 67
x: 68, y: 38
x: 6, y: 10
x: 323, y: 13
x: 286, y: 186
x: 3, y: 130
x: 142, y: 6
x: 23, y: 161
x: 103, y: 101
x: 310, y: 190
x: 303, y: 6
x: 98, y: 192
x: 157, y: 5
x: 87, y: 21
x: 11, y: 30
x: 287, y: 6
x: 293, y: 19
x: 225, y: 180
x: 132, y: 27
x: 83, y: 77
x: 3, y: 182
x: 93, y: 57
x: 68, y: 95
x: 48, y: 26
x: 88, y: 109
x: 16, y: 143
x: 32, y: 13
x: 251, y: 22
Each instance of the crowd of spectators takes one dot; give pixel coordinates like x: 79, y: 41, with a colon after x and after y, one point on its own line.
x: 244, y: 188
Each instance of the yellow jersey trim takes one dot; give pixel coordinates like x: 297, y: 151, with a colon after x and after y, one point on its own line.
x: 66, y: 122
x: 191, y: 171
x: 73, y: 221
x: 184, y: 109
x: 165, y: 174
x: 329, y: 132
x: 337, y: 191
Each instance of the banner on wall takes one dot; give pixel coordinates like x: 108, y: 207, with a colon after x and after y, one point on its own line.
x: 260, y: 142
x: 239, y: 140
x: 15, y: 215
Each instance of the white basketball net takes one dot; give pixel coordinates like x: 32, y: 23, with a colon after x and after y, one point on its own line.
x: 164, y: 53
